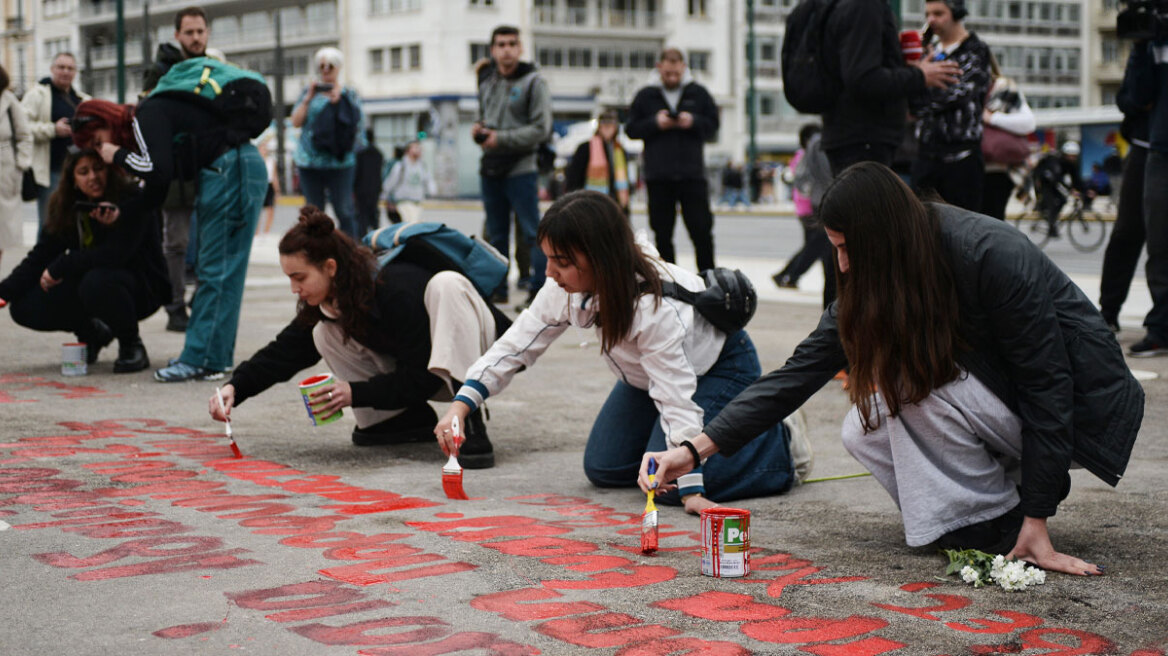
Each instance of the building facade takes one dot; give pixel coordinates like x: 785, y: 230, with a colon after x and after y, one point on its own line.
x: 413, y: 60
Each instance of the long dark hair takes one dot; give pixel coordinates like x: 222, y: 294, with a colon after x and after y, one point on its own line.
x: 897, y: 307
x: 591, y: 225
x: 60, y: 217
x: 316, y: 238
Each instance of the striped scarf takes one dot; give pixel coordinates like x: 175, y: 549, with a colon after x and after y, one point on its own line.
x: 596, y: 178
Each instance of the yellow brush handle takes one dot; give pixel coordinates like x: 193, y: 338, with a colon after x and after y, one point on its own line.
x: 649, y: 505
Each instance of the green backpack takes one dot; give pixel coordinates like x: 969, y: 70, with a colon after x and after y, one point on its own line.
x: 240, y: 97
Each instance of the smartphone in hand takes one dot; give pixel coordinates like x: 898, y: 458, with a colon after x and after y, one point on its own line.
x: 85, y: 206
x: 322, y: 87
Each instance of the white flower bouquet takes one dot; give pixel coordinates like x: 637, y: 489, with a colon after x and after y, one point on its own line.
x: 979, y: 568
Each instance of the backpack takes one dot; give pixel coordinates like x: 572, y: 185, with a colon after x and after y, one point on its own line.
x: 334, y: 131
x: 728, y: 301
x: 435, y: 247
x: 807, y: 83
x: 239, y: 96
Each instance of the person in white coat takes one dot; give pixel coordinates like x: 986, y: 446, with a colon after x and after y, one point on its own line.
x: 674, y: 368
x: 15, y: 158
x: 50, y: 105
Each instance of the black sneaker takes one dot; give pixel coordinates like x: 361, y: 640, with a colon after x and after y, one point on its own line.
x: 96, y: 336
x: 1147, y: 348
x: 476, y: 452
x: 177, y: 320
x: 414, y: 425
x: 131, y: 356
x: 784, y: 282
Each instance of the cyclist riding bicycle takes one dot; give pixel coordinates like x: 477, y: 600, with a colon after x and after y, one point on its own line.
x: 1056, y: 174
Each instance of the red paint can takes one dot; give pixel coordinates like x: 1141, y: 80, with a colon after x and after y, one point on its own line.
x: 725, y: 542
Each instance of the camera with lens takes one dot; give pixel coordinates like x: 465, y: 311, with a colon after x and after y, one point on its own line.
x: 481, y: 137
x: 1142, y: 19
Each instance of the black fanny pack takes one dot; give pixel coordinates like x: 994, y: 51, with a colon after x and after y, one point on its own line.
x: 728, y: 301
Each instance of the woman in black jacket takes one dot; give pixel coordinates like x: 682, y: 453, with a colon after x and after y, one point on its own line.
x: 978, y: 369
x: 97, y: 269
x: 392, y: 339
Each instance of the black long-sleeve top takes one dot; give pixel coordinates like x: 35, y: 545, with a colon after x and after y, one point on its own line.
x: 673, y: 154
x: 173, y: 139
x: 864, y: 47
x: 398, y: 326
x: 131, y: 242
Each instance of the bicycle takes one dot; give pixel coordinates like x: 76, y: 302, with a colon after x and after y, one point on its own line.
x: 1085, y: 227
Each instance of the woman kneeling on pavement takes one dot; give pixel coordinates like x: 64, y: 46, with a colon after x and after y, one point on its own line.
x: 392, y: 338
x: 675, y: 368
x: 980, y: 373
x: 97, y: 269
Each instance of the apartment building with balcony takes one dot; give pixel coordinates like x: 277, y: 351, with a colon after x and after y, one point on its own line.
x: 17, y: 44
x: 1108, y: 54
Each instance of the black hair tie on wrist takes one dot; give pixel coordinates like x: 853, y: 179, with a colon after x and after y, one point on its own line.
x: 693, y: 451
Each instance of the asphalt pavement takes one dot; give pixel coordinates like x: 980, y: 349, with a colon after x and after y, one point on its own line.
x: 126, y: 526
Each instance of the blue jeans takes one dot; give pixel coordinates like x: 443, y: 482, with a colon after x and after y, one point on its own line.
x: 231, y: 192
x: 337, y: 184
x: 629, y: 425
x: 732, y: 197
x: 521, y: 194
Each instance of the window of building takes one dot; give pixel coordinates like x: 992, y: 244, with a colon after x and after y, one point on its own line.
x: 55, y: 8
x: 1014, y: 10
x: 297, y: 64
x: 395, y: 58
x: 1072, y: 13
x: 579, y: 57
x: 55, y: 46
x: 697, y: 8
x: 380, y: 7
x: 642, y: 59
x: 699, y: 60
x: 479, y: 51
x: 551, y: 57
x: 321, y: 15
x: 768, y: 49
x: 482, y: 3
x: 415, y: 57
x: 767, y: 104
x: 544, y: 11
x: 606, y: 58
x: 1110, y: 51
x: 377, y: 60
x: 257, y: 26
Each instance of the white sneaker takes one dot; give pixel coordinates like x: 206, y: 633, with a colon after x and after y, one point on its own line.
x: 802, y: 456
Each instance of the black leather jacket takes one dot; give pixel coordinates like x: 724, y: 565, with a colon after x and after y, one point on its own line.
x: 1035, y: 340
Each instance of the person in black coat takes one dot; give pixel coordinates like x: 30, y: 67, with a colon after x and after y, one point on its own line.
x: 97, y: 269
x: 675, y: 116
x: 1003, y: 369
x: 367, y: 184
x: 393, y: 339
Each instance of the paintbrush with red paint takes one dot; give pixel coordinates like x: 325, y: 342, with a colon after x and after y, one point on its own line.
x: 227, y: 422
x: 452, y: 471
x: 649, y: 519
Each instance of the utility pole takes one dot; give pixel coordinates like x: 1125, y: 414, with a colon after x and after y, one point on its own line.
x: 751, y: 96
x: 146, y: 35
x: 278, y: 103
x: 120, y: 36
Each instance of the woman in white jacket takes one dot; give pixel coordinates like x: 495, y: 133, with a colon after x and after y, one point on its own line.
x: 674, y: 368
x: 15, y: 157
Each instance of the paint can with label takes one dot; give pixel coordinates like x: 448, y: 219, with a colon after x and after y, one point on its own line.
x: 310, y: 385
x: 73, y: 359
x: 725, y: 542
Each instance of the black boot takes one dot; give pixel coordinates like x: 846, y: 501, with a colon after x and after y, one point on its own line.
x: 994, y: 536
x: 131, y: 356
x: 416, y: 424
x: 96, y: 336
x: 476, y: 452
x: 177, y: 319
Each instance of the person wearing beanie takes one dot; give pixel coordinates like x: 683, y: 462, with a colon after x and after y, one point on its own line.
x: 949, y: 127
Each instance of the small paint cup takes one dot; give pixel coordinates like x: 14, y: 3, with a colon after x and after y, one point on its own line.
x: 725, y: 542
x: 310, y: 385
x: 73, y: 359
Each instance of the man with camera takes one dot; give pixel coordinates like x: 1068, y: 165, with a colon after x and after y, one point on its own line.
x: 515, y: 117
x: 676, y: 116
x: 1147, y: 77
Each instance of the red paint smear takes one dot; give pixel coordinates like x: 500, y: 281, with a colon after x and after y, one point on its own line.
x: 235, y: 450
x: 5, y: 513
x: 205, y: 577
x: 132, y: 502
x: 187, y: 630
x: 448, y: 515
x: 913, y: 587
x: 143, y: 455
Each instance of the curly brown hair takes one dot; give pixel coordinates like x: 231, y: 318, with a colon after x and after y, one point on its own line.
x: 316, y: 238
x: 60, y: 217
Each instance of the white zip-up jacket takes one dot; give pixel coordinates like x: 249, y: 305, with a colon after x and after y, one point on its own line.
x: 668, y: 347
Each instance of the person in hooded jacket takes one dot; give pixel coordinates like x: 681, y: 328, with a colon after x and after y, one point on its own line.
x: 675, y: 116
x: 979, y: 372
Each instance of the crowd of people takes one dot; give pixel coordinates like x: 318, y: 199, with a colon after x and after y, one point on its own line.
x: 990, y: 378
